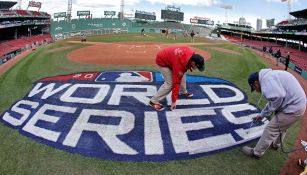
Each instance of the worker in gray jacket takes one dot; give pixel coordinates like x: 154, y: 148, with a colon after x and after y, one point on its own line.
x: 286, y: 99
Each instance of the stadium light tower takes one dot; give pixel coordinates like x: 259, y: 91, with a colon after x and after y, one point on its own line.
x: 226, y: 7
x: 289, y: 7
x: 122, y: 7
x: 69, y: 10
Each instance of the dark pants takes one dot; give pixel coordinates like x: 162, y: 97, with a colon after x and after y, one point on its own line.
x: 286, y: 68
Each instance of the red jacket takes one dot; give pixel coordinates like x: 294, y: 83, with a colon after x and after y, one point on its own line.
x: 176, y: 59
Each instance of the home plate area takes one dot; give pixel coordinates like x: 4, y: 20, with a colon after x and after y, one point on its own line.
x: 106, y: 115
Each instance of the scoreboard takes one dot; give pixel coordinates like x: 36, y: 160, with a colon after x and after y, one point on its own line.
x: 172, y: 15
x: 206, y: 22
x: 270, y: 22
x: 199, y: 20
x: 145, y: 15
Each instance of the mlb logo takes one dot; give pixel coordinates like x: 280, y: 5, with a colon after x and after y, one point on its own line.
x: 125, y: 77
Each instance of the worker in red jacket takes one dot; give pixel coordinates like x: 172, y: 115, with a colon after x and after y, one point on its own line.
x: 173, y: 63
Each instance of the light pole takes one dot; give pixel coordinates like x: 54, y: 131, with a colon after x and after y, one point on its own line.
x: 289, y: 7
x: 226, y: 7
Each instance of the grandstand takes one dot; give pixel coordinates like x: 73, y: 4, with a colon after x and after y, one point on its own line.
x: 288, y: 36
x: 21, y: 30
x: 179, y: 27
x: 172, y: 19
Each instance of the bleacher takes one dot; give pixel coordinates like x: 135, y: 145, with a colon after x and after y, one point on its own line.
x: 200, y: 30
x: 22, y: 12
x: 171, y: 25
x: 180, y: 27
x: 19, y: 43
x: 19, y: 24
x: 45, y: 14
x: 24, y: 43
x: 232, y: 38
x: 4, y: 48
x: 7, y: 13
x: 155, y: 25
x: 297, y: 57
x: 35, y: 13
x: 39, y: 38
x: 259, y: 44
x: 297, y: 21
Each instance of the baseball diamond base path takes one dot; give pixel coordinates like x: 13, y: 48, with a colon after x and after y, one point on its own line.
x: 123, y: 53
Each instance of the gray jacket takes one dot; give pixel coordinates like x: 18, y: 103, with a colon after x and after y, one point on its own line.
x: 282, y: 91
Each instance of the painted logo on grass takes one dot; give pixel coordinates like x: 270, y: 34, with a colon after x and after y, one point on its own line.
x: 105, y: 115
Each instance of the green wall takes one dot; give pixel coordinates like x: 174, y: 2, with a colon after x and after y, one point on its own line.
x: 88, y: 24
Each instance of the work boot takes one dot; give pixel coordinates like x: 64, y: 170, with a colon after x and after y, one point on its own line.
x: 275, y: 147
x: 249, y: 152
x: 187, y: 94
x: 156, y: 106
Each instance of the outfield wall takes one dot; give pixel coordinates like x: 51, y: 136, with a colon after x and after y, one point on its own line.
x: 101, y: 26
x: 96, y: 26
x: 91, y: 27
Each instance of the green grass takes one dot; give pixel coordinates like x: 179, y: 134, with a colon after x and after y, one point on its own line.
x: 22, y: 155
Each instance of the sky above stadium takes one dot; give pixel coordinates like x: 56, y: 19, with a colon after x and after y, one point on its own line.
x: 249, y: 9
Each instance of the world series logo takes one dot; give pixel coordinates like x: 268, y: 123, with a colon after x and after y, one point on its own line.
x: 106, y: 115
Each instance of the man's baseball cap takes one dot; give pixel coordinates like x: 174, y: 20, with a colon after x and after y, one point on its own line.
x: 199, y: 60
x: 252, y: 78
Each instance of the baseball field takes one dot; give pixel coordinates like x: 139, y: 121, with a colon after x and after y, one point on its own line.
x: 20, y: 154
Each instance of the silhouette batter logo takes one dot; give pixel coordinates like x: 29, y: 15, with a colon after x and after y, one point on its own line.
x: 105, y: 115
